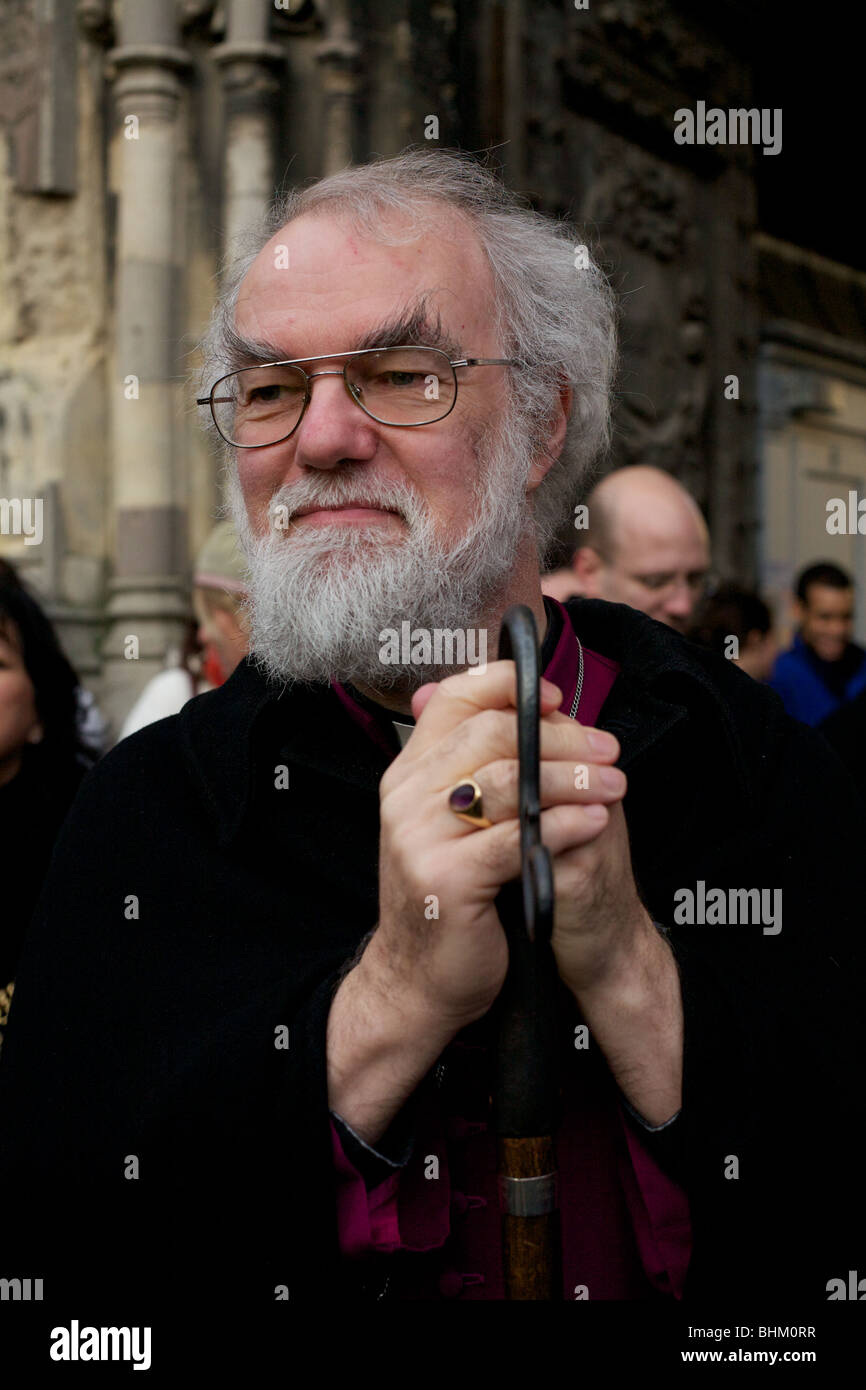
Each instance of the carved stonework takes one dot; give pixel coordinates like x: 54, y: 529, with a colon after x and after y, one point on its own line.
x: 96, y: 21
x: 653, y: 35
x: 634, y: 64
x: 642, y: 201
x: 37, y: 93
x: 643, y: 213
x: 17, y: 399
x: 300, y: 16
x: 19, y: 78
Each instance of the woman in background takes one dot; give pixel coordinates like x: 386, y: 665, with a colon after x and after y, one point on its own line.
x: 42, y: 761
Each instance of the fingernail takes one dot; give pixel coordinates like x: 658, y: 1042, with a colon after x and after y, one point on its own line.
x: 603, y: 744
x: 596, y: 812
x: 550, y: 690
x: 611, y: 778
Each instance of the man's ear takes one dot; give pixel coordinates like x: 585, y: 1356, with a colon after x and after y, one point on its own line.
x: 551, y: 445
x: 586, y: 561
x: 587, y: 564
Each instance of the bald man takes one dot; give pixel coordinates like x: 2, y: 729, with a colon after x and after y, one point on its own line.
x: 646, y: 545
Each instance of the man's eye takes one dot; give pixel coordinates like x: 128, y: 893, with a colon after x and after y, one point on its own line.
x: 270, y: 395
x: 655, y: 581
x: 399, y: 378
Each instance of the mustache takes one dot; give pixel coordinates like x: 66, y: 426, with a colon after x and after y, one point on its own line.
x: 346, y: 488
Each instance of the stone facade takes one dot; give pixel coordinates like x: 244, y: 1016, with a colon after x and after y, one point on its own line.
x: 138, y: 138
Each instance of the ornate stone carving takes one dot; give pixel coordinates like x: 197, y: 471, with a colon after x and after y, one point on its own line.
x: 19, y: 78
x: 37, y: 93
x: 95, y: 20
x: 652, y: 34
x: 642, y: 200
x: 643, y: 212
x: 637, y: 63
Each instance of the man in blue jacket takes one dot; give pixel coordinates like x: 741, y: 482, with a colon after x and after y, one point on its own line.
x: 824, y: 669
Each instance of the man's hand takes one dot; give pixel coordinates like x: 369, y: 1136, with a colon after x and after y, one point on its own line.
x: 438, y: 958
x: 620, y: 969
x: 467, y: 727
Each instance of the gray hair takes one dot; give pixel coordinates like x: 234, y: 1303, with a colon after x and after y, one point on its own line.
x: 553, y: 307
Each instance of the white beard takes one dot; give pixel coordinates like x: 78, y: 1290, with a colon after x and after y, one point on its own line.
x: 320, y: 599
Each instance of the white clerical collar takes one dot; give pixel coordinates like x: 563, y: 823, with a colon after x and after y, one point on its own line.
x: 404, y: 731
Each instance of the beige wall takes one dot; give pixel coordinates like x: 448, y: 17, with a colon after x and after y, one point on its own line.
x: 813, y: 450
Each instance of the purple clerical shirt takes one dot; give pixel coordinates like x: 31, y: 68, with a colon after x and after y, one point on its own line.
x: 626, y: 1230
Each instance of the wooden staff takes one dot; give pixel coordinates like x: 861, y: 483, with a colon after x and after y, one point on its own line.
x: 525, y: 1089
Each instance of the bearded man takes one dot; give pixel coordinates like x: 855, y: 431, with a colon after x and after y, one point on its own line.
x: 280, y: 1060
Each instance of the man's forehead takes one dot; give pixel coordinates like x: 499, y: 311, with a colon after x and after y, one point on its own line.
x: 660, y: 531
x: 827, y: 596
x: 323, y: 266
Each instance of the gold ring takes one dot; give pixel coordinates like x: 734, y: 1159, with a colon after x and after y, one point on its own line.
x: 466, y: 802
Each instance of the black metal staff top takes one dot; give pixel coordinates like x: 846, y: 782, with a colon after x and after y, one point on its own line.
x: 526, y: 1092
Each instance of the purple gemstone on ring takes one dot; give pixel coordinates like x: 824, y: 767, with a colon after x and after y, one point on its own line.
x: 462, y: 797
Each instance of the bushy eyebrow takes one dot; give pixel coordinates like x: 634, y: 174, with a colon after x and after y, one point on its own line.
x: 248, y: 352
x: 414, y: 326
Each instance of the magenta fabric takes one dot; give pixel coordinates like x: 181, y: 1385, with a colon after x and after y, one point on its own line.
x: 366, y: 1221
x: 626, y: 1228
x: 599, y: 673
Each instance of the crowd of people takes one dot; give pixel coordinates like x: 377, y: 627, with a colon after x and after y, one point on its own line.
x: 256, y: 1003
x: 646, y: 544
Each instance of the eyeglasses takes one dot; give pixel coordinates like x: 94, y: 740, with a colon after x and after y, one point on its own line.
x: 404, y: 386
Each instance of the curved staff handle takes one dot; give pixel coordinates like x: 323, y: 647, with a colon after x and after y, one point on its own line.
x: 525, y: 1091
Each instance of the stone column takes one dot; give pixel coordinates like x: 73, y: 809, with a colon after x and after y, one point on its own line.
x: 249, y: 66
x: 149, y: 592
x: 338, y: 54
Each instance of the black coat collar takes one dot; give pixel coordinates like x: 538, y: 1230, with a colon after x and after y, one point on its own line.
x: 661, y: 681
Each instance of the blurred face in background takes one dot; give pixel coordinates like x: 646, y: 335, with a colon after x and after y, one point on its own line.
x: 758, y: 654
x: 19, y: 721
x: 657, y: 553
x: 221, y: 630
x: 827, y: 620
x: 662, y: 575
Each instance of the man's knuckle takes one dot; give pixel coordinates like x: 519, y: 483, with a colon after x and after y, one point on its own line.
x: 500, y: 779
x: 494, y: 726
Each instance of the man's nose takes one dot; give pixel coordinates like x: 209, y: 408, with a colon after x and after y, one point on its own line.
x: 680, y: 602
x: 333, y: 430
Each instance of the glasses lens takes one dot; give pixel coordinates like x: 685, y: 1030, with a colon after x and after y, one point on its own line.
x: 403, y: 386
x: 259, y: 405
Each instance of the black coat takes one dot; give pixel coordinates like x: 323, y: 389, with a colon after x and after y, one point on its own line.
x: 845, y: 730
x: 32, y: 808
x: 193, y: 907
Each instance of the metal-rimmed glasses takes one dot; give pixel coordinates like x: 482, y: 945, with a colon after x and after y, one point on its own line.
x: 405, y: 386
